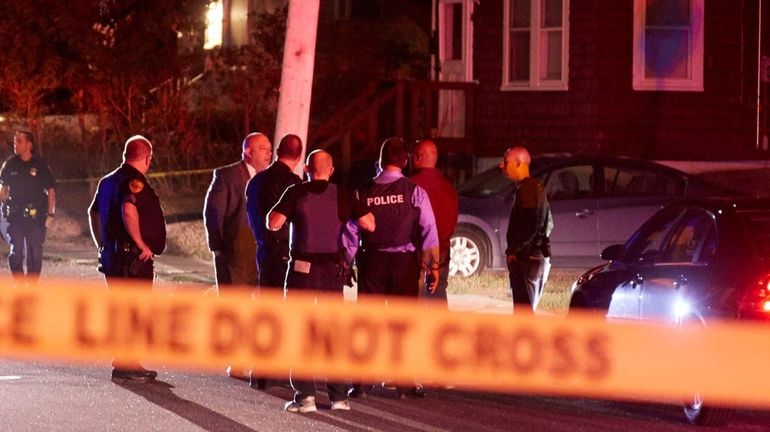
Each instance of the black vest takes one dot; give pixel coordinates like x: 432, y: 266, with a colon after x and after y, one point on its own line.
x: 316, y: 224
x: 394, y: 212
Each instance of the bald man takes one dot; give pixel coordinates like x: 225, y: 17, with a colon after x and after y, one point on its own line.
x: 129, y: 230
x: 224, y: 213
x: 527, y: 235
x: 445, y: 203
x: 317, y: 211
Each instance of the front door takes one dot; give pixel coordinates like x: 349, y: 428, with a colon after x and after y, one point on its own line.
x: 455, y: 33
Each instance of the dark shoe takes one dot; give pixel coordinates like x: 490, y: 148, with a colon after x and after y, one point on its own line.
x: 357, y: 391
x: 137, y: 376
x: 411, y: 393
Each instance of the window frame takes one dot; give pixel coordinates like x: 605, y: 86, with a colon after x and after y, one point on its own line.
x: 535, y: 83
x: 693, y: 83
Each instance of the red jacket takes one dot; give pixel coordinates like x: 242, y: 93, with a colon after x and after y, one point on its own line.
x: 443, y: 200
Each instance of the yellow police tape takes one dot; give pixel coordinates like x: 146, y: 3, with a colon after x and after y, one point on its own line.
x: 404, y: 341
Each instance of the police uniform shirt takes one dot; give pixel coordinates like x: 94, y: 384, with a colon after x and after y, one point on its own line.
x: 318, y: 210
x: 127, y: 184
x: 28, y: 182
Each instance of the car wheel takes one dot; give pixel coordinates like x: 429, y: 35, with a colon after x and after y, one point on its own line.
x: 696, y: 412
x: 467, y: 253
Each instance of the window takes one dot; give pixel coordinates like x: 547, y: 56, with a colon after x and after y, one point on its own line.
x: 357, y: 9
x: 694, y: 240
x: 535, y: 44
x: 634, y: 182
x: 646, y: 243
x: 570, y: 183
x: 668, y: 45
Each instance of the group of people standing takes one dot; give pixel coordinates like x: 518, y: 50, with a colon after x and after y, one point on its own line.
x: 392, y: 228
x: 332, y: 228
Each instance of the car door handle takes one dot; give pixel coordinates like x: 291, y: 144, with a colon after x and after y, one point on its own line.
x: 582, y: 214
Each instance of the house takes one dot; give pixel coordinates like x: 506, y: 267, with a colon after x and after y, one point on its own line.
x: 663, y: 79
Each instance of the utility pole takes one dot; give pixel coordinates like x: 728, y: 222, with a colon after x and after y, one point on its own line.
x: 297, y: 73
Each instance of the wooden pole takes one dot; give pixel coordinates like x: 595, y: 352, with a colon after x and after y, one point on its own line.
x: 297, y: 72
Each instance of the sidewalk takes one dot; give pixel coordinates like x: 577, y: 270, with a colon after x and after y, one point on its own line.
x: 174, y: 270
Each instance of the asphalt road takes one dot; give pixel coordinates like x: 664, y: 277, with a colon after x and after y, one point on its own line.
x: 39, y: 396
x: 44, y: 396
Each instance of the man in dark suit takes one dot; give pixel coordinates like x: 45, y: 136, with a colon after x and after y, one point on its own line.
x: 224, y: 212
x: 262, y: 192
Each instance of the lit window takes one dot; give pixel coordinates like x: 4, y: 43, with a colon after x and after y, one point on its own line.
x: 668, y: 45
x: 214, y: 16
x: 535, y: 44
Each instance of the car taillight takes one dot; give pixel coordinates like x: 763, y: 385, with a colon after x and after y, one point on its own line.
x: 757, y: 298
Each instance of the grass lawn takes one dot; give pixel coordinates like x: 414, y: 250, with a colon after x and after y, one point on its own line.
x: 495, y: 284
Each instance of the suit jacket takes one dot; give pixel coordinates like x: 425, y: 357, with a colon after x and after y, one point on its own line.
x: 224, y: 211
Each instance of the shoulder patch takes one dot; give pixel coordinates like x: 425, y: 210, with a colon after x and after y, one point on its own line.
x: 136, y: 186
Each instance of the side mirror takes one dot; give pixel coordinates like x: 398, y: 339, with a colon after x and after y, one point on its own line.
x: 614, y: 252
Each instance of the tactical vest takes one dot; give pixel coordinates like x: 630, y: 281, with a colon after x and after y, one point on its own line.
x: 316, y: 225
x: 393, y: 211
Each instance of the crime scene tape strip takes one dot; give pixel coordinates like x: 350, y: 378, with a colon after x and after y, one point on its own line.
x: 404, y: 341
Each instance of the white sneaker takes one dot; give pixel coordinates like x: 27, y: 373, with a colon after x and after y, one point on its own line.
x: 305, y: 405
x: 342, y: 405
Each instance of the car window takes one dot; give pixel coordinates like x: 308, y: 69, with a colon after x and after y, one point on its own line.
x: 492, y: 181
x: 637, y: 182
x: 694, y: 236
x: 488, y: 183
x: 649, y: 239
x: 573, y: 182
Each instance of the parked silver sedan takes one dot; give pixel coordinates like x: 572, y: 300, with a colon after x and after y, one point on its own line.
x: 596, y: 202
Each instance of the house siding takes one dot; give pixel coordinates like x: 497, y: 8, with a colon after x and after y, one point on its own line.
x: 601, y: 113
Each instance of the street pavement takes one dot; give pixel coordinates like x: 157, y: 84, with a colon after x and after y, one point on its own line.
x: 38, y: 395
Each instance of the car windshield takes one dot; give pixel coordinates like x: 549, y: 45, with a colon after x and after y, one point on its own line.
x: 492, y: 181
x: 759, y: 229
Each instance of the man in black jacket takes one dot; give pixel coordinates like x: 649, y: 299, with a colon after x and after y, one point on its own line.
x: 527, y: 234
x: 262, y: 192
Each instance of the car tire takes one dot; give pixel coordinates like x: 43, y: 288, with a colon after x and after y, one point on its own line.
x: 696, y: 412
x: 705, y: 415
x: 467, y: 253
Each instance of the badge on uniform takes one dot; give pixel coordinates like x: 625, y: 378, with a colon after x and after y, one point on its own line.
x: 302, y: 266
x: 136, y: 186
x: 33, y: 171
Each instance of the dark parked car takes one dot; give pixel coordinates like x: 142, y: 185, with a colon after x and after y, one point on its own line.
x: 692, y: 262
x: 596, y: 201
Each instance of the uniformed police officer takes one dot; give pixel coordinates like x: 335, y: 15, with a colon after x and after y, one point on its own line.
x: 389, y: 263
x: 317, y: 211
x: 28, y: 195
x: 128, y: 228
